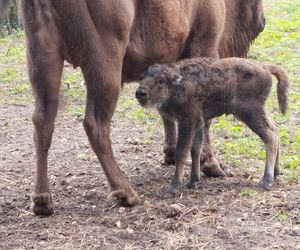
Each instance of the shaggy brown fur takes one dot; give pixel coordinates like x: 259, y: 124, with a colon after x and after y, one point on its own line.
x: 113, y: 42
x: 193, y: 91
x: 244, y: 21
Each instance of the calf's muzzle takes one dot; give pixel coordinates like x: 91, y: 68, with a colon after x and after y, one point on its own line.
x: 141, y: 95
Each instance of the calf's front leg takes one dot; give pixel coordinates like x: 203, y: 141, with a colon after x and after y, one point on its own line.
x: 195, y: 154
x: 185, y: 136
x: 170, y: 138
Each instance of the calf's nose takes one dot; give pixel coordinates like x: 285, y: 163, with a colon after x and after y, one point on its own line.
x: 141, y: 94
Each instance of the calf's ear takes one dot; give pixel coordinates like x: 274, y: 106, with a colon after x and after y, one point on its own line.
x: 154, y: 70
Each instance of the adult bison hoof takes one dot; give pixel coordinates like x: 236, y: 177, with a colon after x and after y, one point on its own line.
x: 125, y: 198
x: 41, y: 204
x: 212, y: 169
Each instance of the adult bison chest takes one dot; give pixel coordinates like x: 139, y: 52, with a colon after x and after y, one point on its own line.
x: 158, y: 34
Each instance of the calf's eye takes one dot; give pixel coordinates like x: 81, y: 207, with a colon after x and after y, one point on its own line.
x: 160, y: 82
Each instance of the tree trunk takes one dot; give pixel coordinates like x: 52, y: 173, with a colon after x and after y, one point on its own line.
x: 13, y: 20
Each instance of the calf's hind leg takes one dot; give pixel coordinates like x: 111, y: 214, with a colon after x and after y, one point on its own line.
x: 277, y: 163
x: 264, y: 127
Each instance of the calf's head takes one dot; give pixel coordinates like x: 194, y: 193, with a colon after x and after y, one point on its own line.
x: 154, y: 88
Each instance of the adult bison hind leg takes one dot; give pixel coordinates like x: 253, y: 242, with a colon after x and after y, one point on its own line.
x: 209, y: 164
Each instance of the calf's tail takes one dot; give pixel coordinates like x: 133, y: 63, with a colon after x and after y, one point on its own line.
x: 282, y: 87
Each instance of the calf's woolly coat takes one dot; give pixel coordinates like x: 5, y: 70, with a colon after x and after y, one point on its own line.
x: 193, y: 91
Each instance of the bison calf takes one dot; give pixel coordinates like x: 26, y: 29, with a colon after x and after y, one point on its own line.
x: 193, y: 91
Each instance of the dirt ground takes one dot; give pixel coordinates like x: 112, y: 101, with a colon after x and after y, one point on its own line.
x: 218, y: 214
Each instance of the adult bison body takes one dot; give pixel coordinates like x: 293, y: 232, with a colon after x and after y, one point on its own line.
x: 113, y: 42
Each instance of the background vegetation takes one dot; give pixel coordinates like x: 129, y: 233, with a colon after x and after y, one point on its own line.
x: 12, y: 20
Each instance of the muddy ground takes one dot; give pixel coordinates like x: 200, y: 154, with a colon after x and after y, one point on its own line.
x: 229, y: 213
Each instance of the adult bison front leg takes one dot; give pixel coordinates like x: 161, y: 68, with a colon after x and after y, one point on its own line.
x: 45, y: 73
x: 45, y: 68
x: 103, y: 80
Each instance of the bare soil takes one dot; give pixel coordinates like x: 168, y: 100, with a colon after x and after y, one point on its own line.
x: 218, y: 214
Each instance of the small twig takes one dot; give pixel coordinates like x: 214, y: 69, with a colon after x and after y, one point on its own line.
x: 187, y: 212
x: 109, y: 208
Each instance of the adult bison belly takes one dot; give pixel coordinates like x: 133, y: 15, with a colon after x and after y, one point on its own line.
x: 159, y: 34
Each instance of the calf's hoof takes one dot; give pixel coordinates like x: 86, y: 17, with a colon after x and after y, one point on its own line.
x: 194, y: 179
x: 173, y: 189
x: 170, y: 193
x: 126, y: 198
x: 192, y: 184
x: 276, y: 173
x: 267, y: 184
x: 212, y: 169
x: 41, y: 204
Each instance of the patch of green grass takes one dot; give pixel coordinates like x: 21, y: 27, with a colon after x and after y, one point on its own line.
x: 13, y: 74
x: 283, y: 216
x: 20, y: 88
x: 248, y: 192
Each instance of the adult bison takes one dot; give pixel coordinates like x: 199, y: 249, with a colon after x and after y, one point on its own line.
x: 113, y: 42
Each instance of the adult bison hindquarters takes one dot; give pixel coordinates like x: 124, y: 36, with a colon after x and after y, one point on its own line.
x: 112, y: 42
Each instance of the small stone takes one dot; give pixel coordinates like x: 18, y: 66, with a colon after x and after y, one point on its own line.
x: 135, y: 142
x: 296, y: 230
x: 176, y: 208
x: 122, y: 210
x: 118, y: 224
x: 129, y: 230
x: 91, y: 194
x: 83, y: 157
x: 64, y: 182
